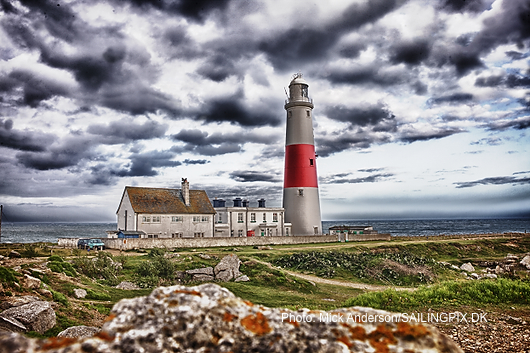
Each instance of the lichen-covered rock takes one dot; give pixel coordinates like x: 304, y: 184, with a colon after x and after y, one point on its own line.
x: 526, y: 262
x: 79, y: 331
x: 80, y: 293
x: 228, y: 268
x: 201, y: 271
x: 31, y: 282
x: 35, y: 316
x: 467, y: 267
x: 127, y: 286
x: 243, y: 278
x: 209, y: 318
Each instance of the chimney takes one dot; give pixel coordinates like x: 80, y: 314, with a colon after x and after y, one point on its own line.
x: 185, y: 191
x: 261, y: 202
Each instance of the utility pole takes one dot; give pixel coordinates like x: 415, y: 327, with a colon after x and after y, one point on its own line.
x: 1, y: 212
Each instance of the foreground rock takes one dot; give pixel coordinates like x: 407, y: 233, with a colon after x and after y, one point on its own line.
x: 209, y: 318
x: 79, y: 332
x: 35, y: 316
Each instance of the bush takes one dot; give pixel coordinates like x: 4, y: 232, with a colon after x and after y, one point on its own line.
x: 101, y: 267
x: 154, y: 271
x: 8, y: 276
x: 501, y: 291
x: 62, y: 267
x: 55, y: 258
x: 91, y: 294
x: 59, y: 297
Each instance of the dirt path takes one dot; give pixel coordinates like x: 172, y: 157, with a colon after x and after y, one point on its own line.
x: 315, y: 279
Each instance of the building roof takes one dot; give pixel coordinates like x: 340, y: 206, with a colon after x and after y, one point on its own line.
x: 168, y: 201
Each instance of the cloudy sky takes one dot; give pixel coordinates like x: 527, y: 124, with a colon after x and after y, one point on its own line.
x: 422, y: 108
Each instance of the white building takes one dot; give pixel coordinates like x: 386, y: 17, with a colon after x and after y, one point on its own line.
x: 166, y: 213
x: 241, y: 220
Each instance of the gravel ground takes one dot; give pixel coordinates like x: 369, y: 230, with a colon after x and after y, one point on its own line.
x: 507, y: 331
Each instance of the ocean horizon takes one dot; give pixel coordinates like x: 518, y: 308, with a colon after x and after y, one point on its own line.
x: 34, y: 232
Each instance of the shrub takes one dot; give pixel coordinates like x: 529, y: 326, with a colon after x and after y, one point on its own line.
x: 55, y: 258
x: 154, y: 271
x: 8, y: 276
x: 59, y: 297
x: 62, y: 267
x: 101, y: 267
x: 91, y: 294
x: 30, y: 250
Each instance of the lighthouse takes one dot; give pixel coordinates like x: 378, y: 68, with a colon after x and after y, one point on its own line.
x: 300, y: 188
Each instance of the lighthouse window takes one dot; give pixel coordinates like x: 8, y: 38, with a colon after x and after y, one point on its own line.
x: 300, y: 192
x: 311, y: 161
x: 308, y: 113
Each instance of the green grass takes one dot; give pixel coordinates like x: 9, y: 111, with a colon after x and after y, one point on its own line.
x: 451, y: 293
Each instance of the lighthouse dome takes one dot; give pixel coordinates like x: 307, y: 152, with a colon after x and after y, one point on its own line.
x: 297, y: 79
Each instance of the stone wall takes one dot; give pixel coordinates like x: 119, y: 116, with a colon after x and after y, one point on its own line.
x: 127, y: 244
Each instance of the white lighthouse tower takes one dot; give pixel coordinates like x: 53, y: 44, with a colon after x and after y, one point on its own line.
x: 300, y: 189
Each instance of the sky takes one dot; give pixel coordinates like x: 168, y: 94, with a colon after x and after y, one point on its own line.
x: 422, y: 108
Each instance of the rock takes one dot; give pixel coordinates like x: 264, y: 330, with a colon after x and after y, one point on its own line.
x: 11, y: 325
x: 228, y: 268
x: 499, y: 270
x: 45, y: 292
x: 454, y: 267
x: 127, y: 286
x: 475, y: 276
x: 204, y: 256
x: 490, y: 275
x: 14, y: 254
x: 209, y: 318
x: 31, y: 282
x: 526, y: 262
x: 243, y: 278
x: 467, y: 267
x: 265, y: 247
x: 201, y: 271
x: 511, y: 258
x: 202, y: 278
x: 35, y: 316
x: 18, y: 301
x: 79, y: 331
x: 80, y: 293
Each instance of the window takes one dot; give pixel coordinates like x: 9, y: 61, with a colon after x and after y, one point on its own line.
x: 240, y: 217
x: 287, y: 232
x: 311, y: 162
x: 146, y: 219
x: 300, y: 192
x: 219, y: 218
x: 177, y: 218
x: 156, y: 219
x: 198, y: 235
x: 205, y: 219
x: 240, y: 233
x: 264, y: 217
x: 253, y: 217
x: 275, y: 217
x: 308, y: 113
x: 196, y: 218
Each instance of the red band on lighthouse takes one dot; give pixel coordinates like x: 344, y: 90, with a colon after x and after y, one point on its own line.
x: 300, y: 166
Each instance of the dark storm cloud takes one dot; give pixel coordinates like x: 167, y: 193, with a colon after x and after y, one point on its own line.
x: 411, y: 53
x: 376, y: 74
x: 66, y: 153
x: 410, y: 137
x: 305, y: 44
x: 510, y: 81
x: 456, y: 98
x: 254, y: 176
x: 195, y: 161
x: 344, y: 178
x: 466, y: 5
x: 517, y: 124
x: 201, y: 142
x: 144, y: 164
x: 35, y: 88
x: 232, y: 110
x: 191, y: 9
x: 330, y: 144
x: 124, y: 130
x: 377, y: 116
x: 217, y: 68
x: 31, y: 141
x: 494, y: 181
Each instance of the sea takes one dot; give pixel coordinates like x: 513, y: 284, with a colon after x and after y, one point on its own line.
x: 49, y: 232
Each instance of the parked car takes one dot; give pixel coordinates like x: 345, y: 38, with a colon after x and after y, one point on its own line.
x: 95, y: 244
x: 81, y: 243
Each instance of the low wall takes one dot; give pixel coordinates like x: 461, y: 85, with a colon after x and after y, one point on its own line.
x: 67, y: 242
x: 126, y: 244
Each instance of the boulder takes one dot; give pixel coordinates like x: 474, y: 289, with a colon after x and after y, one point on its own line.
x: 467, y: 267
x: 17, y: 301
x: 228, y: 268
x: 490, y: 275
x: 31, y: 282
x: 79, y: 331
x: 201, y: 271
x: 35, y: 316
x: 243, y: 278
x: 80, y: 293
x: 14, y: 254
x: 526, y: 262
x: 202, y: 278
x: 209, y: 318
x: 127, y: 286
